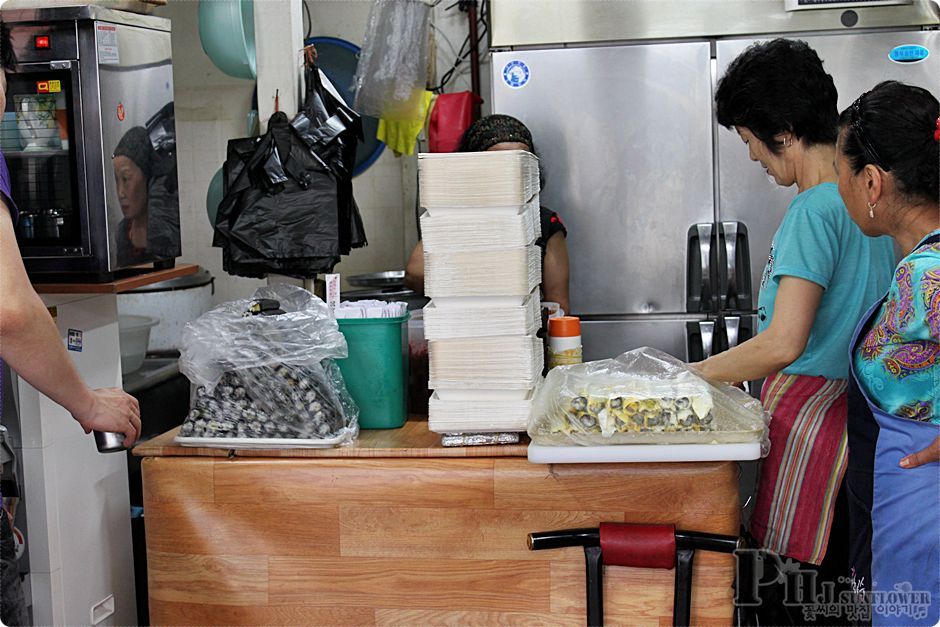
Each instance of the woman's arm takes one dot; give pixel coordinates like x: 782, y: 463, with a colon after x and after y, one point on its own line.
x: 30, y: 344
x: 414, y: 271
x: 555, y: 271
x: 779, y: 345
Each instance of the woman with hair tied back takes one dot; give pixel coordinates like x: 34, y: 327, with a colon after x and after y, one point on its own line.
x: 821, y: 274
x: 888, y: 165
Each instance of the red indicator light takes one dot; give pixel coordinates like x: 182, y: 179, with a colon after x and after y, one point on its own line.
x: 42, y: 42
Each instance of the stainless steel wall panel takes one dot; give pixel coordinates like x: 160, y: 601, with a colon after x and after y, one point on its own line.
x: 602, y: 339
x: 857, y: 63
x: 625, y: 140
x: 547, y: 22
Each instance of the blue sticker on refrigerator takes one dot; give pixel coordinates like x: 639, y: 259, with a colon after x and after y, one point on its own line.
x: 516, y: 74
x: 909, y: 53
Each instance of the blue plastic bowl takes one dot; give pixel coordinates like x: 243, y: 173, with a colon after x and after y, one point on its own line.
x: 227, y: 33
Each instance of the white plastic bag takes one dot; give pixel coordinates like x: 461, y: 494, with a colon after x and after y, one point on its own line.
x: 643, y: 396
x: 393, y: 65
x: 269, y: 374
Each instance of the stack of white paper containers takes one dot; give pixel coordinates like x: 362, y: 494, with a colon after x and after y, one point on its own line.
x: 482, y: 272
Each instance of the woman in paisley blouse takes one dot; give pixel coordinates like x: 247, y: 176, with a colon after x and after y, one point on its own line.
x: 888, y: 163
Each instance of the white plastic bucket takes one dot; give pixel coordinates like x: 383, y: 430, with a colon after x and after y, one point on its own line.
x: 135, y: 338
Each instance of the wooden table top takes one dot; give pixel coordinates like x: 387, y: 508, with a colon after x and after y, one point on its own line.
x: 412, y: 440
x: 120, y: 285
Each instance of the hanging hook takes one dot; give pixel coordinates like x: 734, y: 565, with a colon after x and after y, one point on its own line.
x: 310, y: 55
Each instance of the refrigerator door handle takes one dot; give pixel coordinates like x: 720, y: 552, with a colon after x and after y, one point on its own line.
x: 730, y: 230
x: 732, y: 328
x: 707, y: 329
x: 705, y: 255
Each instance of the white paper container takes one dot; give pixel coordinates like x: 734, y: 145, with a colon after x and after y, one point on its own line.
x: 471, y: 229
x: 499, y: 178
x: 478, y: 303
x: 482, y: 394
x: 443, y: 323
x: 479, y: 415
x: 496, y: 363
x: 482, y: 213
x: 505, y: 272
x: 441, y: 425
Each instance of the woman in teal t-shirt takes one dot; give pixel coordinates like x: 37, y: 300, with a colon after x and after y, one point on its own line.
x: 821, y: 274
x: 888, y: 162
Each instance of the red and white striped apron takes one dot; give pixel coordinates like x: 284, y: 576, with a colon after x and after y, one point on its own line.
x: 801, y: 476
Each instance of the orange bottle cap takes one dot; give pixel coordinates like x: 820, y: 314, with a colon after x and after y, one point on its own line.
x: 564, y: 326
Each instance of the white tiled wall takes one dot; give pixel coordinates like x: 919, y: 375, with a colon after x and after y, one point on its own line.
x: 378, y: 190
x: 212, y: 108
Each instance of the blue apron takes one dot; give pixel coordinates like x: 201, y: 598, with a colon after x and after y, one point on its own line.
x: 894, y: 512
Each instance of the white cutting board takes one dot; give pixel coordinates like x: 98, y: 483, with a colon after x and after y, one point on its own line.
x: 643, y: 453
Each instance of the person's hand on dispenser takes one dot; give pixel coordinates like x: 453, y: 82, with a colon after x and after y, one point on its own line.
x: 110, y: 409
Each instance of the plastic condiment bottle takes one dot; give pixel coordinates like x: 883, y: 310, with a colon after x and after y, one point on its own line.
x: 564, y: 341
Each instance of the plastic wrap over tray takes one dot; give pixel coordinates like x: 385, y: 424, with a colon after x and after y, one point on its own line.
x: 268, y: 375
x: 643, y: 396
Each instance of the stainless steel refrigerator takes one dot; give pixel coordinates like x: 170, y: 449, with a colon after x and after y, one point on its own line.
x: 669, y: 222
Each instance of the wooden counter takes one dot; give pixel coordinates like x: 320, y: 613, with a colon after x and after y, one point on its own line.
x: 412, y: 440
x: 118, y: 286
x: 398, y: 530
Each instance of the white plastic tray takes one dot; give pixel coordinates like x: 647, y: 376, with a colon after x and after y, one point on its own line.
x: 266, y: 443
x: 539, y: 454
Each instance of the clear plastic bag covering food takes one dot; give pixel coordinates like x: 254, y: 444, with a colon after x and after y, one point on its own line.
x: 393, y: 65
x: 268, y: 374
x: 643, y: 396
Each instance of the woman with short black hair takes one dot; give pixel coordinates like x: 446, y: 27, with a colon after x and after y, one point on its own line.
x: 779, y: 85
x: 888, y: 163
x: 821, y: 274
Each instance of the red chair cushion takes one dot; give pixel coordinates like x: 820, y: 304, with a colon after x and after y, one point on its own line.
x: 642, y: 546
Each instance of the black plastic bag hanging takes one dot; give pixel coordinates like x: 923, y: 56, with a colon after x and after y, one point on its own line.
x: 288, y: 205
x: 332, y: 131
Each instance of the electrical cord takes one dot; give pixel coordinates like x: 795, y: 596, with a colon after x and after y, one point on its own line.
x: 462, y: 55
x: 446, y: 39
x: 308, y: 21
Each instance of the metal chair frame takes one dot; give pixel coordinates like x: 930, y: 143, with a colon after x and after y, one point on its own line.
x: 687, y: 542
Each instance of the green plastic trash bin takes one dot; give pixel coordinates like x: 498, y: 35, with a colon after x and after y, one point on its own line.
x: 376, y: 371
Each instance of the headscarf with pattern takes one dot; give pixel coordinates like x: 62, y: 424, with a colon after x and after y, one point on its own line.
x: 135, y: 145
x: 494, y: 129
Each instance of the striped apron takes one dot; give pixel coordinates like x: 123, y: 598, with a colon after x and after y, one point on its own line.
x: 800, y: 478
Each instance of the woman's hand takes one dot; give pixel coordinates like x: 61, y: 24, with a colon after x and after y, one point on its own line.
x: 701, y: 368
x: 776, y: 347
x: 930, y: 455
x: 111, y: 409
